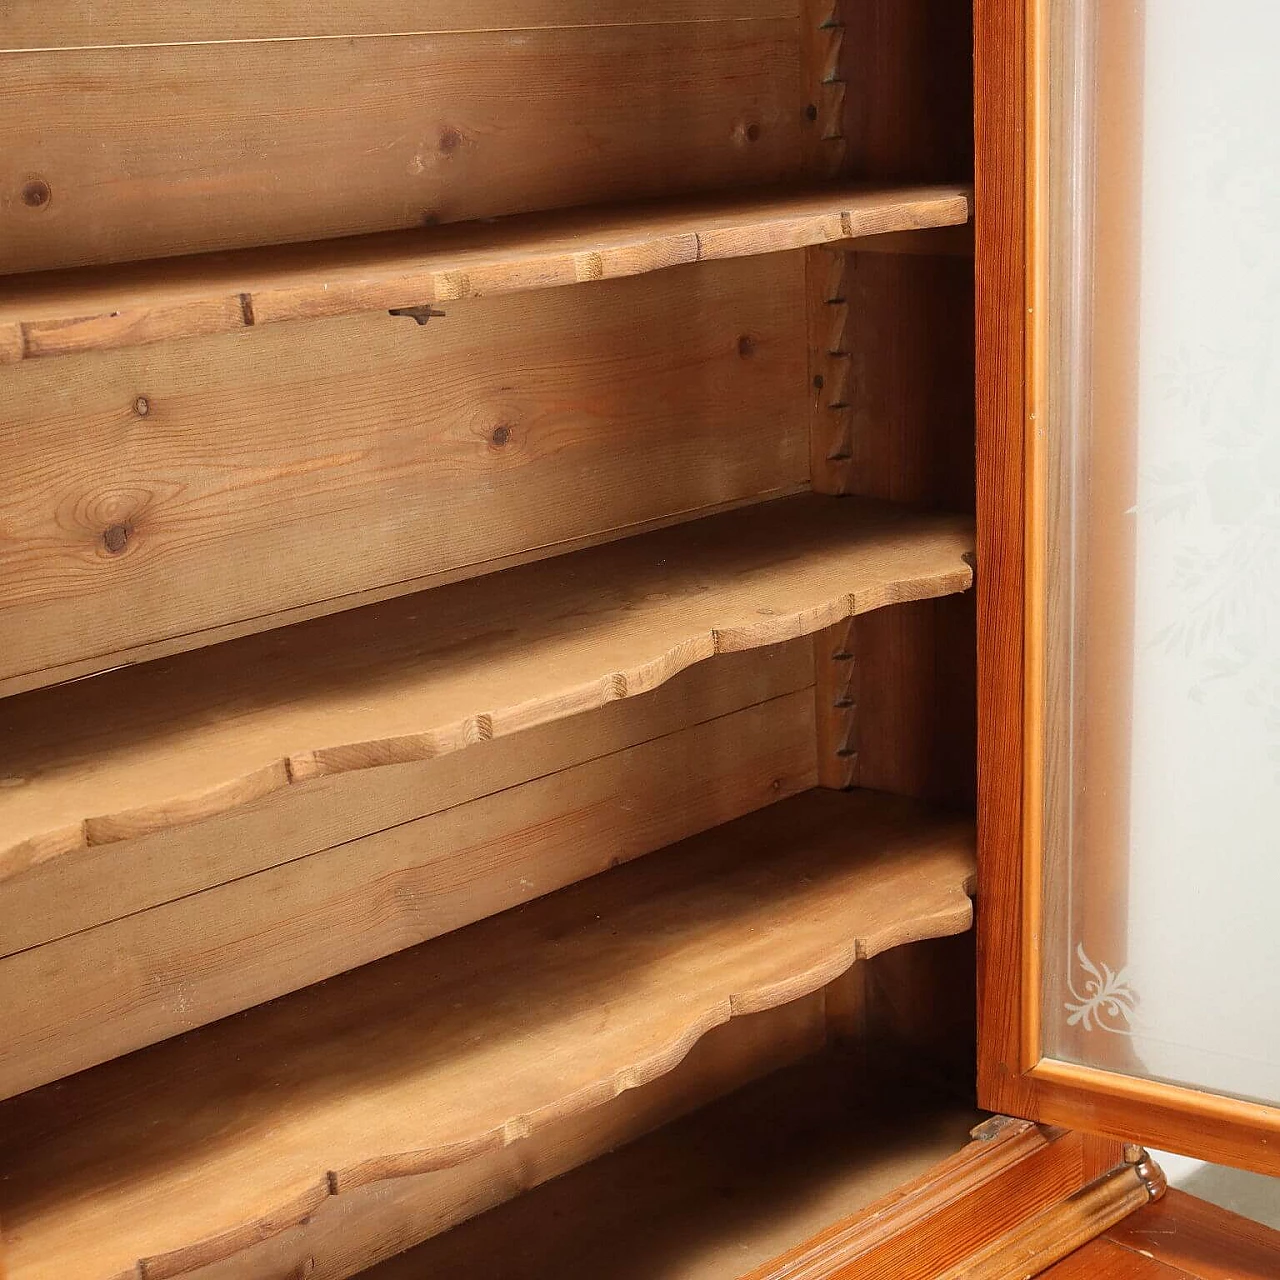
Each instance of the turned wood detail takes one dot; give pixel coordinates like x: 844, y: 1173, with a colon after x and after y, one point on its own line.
x: 1047, y: 1237
x: 1150, y: 1174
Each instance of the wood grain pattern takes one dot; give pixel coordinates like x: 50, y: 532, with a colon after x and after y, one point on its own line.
x: 909, y: 426
x: 63, y: 312
x: 94, y: 995
x: 1209, y: 1126
x: 1101, y: 1259
x: 221, y: 145
x: 716, y: 1194
x: 908, y: 104
x: 358, y: 1229
x: 1202, y: 1240
x: 170, y: 743
x: 1000, y: 54
x: 107, y: 882
x: 468, y: 1043
x: 30, y: 24
x: 298, y: 469
x: 916, y: 703
x: 950, y: 241
x: 896, y: 702
x: 891, y: 412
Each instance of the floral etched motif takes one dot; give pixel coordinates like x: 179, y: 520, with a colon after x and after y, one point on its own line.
x: 1108, y: 1002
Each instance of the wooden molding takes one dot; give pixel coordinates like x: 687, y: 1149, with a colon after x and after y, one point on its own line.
x: 1050, y: 1235
x: 1032, y: 1189
x: 1220, y: 1129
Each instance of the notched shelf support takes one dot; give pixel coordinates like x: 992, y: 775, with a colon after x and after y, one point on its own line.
x: 832, y: 369
x: 837, y: 672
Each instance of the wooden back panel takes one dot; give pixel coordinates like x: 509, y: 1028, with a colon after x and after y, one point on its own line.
x: 284, y: 126
x: 171, y: 494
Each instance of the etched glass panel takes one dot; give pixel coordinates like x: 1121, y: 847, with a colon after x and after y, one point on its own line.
x: 1159, y: 420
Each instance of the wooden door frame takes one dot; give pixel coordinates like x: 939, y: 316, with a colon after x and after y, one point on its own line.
x: 1014, y: 1076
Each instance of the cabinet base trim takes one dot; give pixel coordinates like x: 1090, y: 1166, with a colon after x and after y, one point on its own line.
x: 1016, y: 1200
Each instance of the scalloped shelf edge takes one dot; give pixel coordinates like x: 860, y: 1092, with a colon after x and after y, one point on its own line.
x: 305, y: 765
x: 944, y: 921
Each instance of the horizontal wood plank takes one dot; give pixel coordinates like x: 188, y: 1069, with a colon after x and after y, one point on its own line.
x: 92, y: 886
x: 33, y: 24
x: 222, y: 145
x: 169, y: 743
x: 466, y: 1044
x: 57, y: 313
x: 1205, y: 1241
x: 97, y: 994
x: 161, y: 496
x: 1102, y: 1259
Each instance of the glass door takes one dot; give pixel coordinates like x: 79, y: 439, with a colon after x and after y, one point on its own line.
x: 1148, y: 991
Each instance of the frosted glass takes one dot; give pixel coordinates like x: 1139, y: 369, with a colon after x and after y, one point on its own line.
x: 1162, y: 829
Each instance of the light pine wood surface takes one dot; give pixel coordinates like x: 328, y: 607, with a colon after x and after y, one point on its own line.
x: 164, y: 496
x: 464, y: 1045
x: 169, y: 743
x: 100, y: 883
x: 356, y: 1230
x: 268, y: 142
x: 30, y: 24
x: 63, y: 312
x: 93, y: 995
x: 1191, y: 1240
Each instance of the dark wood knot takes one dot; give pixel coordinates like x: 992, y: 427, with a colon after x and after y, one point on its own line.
x: 36, y: 194
x: 116, y: 538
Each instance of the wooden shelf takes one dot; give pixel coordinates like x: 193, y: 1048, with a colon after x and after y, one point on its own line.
x: 719, y: 1194
x: 57, y: 313
x: 156, y: 746
x: 194, y: 1149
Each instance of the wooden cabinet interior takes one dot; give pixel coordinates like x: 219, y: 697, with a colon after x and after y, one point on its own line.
x: 503, y: 735
x: 456, y: 1049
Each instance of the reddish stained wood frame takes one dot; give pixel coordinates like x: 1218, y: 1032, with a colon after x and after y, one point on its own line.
x: 1013, y: 1075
